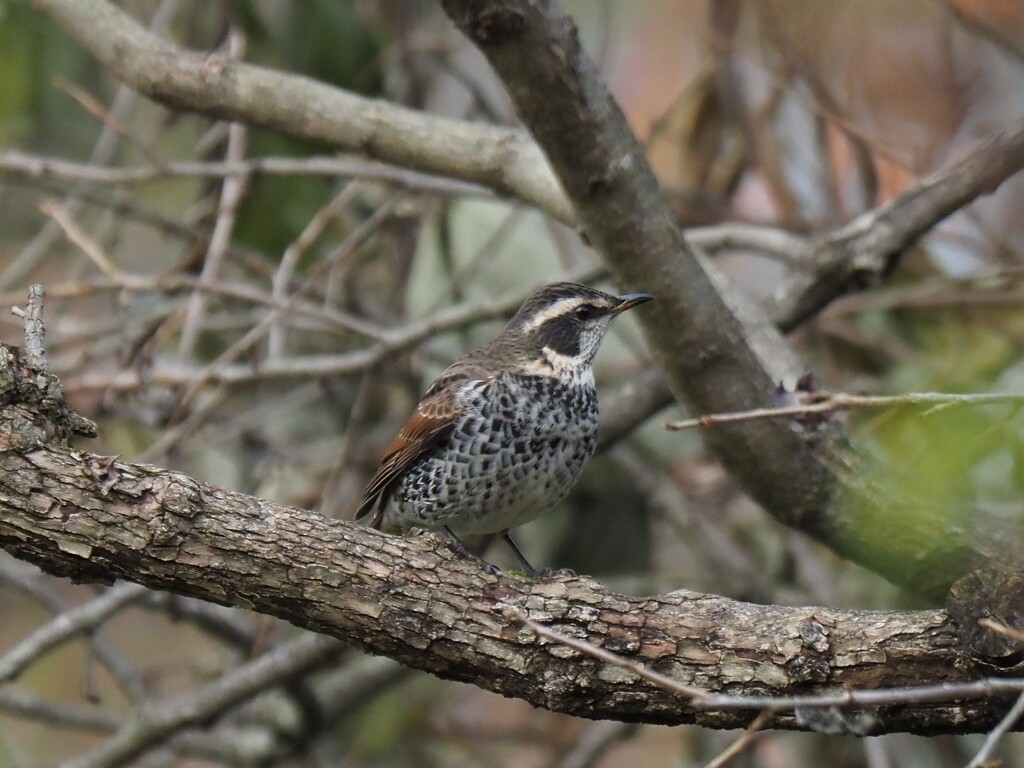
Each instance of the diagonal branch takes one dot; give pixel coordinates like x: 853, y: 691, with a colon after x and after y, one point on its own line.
x: 718, y: 351
x: 80, y: 515
x: 561, y: 642
x: 503, y: 159
x: 865, y: 249
x: 95, y: 519
x: 155, y: 722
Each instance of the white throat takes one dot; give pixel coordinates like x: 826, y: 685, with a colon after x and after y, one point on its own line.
x: 560, y: 366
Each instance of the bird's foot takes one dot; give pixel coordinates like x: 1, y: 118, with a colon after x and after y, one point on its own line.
x: 459, y: 547
x: 562, y: 573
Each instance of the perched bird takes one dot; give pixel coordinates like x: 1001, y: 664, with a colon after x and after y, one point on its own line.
x: 503, y: 434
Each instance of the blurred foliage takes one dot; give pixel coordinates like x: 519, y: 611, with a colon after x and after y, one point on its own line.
x: 37, y: 55
x: 325, y: 40
x: 928, y: 477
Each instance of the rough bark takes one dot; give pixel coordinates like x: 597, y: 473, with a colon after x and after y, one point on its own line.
x: 719, y: 353
x: 94, y: 518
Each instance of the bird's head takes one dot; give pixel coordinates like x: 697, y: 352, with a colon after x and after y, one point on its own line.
x: 559, y: 327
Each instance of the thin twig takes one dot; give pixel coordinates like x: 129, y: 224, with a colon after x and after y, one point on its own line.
x: 992, y: 740
x: 747, y: 738
x: 1002, y: 629
x: 875, y: 753
x: 254, y: 334
x: 329, y: 318
x: 97, y: 109
x: 1001, y: 37
x: 343, y: 454
x: 842, y: 401
x: 34, y: 350
x: 53, y: 715
x: 595, y: 743
x: 154, y: 723
x: 773, y: 241
x: 290, y: 258
x: 66, y: 626
x: 501, y: 158
x: 32, y: 583
x: 232, y: 192
x: 76, y: 235
x: 390, y: 342
x: 663, y: 681
x: 701, y: 699
x: 20, y: 164
x: 125, y: 99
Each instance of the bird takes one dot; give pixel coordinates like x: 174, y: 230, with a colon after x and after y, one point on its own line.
x: 504, y: 432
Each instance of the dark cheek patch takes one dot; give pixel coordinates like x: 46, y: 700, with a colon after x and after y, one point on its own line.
x: 562, y: 335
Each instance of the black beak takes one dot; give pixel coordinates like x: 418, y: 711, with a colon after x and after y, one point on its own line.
x: 630, y: 300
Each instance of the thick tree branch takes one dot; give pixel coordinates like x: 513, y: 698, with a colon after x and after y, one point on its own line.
x: 864, y: 250
x: 96, y: 519
x: 86, y: 517
x: 565, y: 643
x: 502, y: 159
x: 718, y: 352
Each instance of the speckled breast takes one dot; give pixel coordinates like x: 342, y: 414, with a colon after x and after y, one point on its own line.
x: 517, y: 450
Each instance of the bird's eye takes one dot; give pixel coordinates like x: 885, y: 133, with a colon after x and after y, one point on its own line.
x: 584, y: 312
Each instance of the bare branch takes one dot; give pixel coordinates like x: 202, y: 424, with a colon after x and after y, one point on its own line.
x: 772, y: 241
x: 86, y: 718
x: 503, y: 159
x: 1001, y: 38
x: 231, y: 194
x: 23, y: 165
x: 639, y: 398
x: 389, y: 342
x: 65, y: 626
x: 595, y: 742
x: 106, y: 145
x: 29, y: 581
x: 832, y: 402
x: 290, y: 259
x: 697, y: 695
x: 35, y: 330
x: 155, y: 722
x: 980, y: 759
x: 98, y: 519
x: 750, y: 733
x: 33, y: 382
x: 79, y: 237
x: 866, y: 249
x: 419, y: 603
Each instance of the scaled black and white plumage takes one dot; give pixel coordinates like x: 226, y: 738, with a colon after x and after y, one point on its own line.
x: 504, y: 432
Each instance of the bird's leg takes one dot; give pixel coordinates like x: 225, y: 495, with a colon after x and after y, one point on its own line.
x: 460, y: 548
x: 529, y: 569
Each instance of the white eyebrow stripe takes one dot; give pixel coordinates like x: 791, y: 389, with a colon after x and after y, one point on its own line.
x: 560, y: 307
